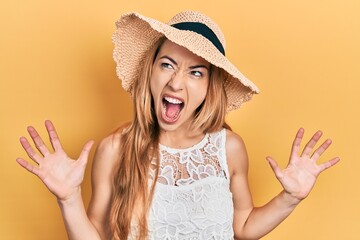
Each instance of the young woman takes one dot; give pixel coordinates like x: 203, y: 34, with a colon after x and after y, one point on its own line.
x: 176, y: 171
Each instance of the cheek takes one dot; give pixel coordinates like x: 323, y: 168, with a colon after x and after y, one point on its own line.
x: 200, y: 88
x: 155, y: 89
x: 199, y: 92
x: 156, y: 82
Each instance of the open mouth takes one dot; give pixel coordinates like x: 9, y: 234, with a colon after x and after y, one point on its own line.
x: 172, y: 108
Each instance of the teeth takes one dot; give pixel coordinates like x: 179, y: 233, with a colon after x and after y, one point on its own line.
x: 173, y: 100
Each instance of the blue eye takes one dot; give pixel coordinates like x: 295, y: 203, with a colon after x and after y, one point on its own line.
x: 166, y: 65
x: 196, y: 73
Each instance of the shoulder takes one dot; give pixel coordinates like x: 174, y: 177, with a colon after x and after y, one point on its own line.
x: 236, y: 153
x: 107, y: 153
x: 109, y: 145
x: 234, y: 144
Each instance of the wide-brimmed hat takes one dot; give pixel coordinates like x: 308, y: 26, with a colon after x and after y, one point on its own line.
x: 135, y: 34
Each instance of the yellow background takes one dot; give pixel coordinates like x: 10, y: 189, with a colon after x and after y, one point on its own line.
x: 56, y: 63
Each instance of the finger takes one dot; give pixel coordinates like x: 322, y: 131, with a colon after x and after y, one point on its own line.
x: 39, y: 144
x: 311, y: 144
x: 33, y: 169
x: 84, y: 155
x: 30, y: 151
x: 274, y: 166
x: 321, y: 150
x: 296, y: 143
x: 329, y: 164
x: 54, y: 139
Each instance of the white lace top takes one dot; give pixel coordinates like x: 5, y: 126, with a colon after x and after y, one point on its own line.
x: 192, y: 198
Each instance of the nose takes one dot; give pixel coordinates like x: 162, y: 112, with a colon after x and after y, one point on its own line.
x: 177, y: 81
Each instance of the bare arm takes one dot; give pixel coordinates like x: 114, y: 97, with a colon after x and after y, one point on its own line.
x: 104, y: 163
x: 297, y: 180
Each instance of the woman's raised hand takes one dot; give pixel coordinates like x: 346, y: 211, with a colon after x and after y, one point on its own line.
x: 61, y: 175
x: 299, y: 177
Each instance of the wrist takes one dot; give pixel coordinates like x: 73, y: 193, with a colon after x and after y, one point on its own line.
x: 71, y: 198
x: 290, y: 199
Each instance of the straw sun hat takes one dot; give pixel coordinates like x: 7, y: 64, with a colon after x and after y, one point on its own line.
x: 135, y: 34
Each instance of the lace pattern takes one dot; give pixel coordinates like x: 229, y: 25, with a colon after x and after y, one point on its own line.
x: 202, y: 210
x: 192, y: 198
x: 185, y: 166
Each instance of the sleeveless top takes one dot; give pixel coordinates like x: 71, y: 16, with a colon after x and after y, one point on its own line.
x: 192, y: 198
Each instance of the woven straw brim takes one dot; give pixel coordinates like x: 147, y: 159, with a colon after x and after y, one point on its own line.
x: 134, y: 36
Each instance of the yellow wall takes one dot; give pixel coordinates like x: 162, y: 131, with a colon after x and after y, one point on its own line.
x: 56, y: 63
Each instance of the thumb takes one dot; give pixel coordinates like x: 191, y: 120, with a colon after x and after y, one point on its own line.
x: 274, y: 166
x: 84, y: 155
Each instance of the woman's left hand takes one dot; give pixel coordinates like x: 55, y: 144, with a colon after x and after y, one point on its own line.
x: 299, y: 177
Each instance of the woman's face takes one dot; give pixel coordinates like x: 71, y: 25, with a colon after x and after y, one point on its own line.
x: 179, y: 83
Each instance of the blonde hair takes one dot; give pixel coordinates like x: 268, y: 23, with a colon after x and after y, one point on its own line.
x: 139, y: 147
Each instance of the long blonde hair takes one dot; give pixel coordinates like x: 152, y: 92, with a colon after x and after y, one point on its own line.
x: 139, y: 147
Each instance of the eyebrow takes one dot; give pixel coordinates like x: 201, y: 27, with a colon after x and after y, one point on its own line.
x: 191, y: 67
x: 199, y: 66
x: 170, y: 59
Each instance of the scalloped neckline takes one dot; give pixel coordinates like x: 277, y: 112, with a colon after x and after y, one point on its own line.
x: 198, y: 145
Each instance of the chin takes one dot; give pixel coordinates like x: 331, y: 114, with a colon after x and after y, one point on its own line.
x: 171, y: 126
x: 168, y: 127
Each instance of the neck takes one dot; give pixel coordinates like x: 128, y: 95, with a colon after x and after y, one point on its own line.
x: 180, y: 138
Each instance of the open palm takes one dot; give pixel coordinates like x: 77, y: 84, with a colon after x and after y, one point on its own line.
x: 299, y: 177
x: 61, y: 174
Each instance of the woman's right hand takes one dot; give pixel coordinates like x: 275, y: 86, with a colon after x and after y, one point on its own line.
x: 61, y: 174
